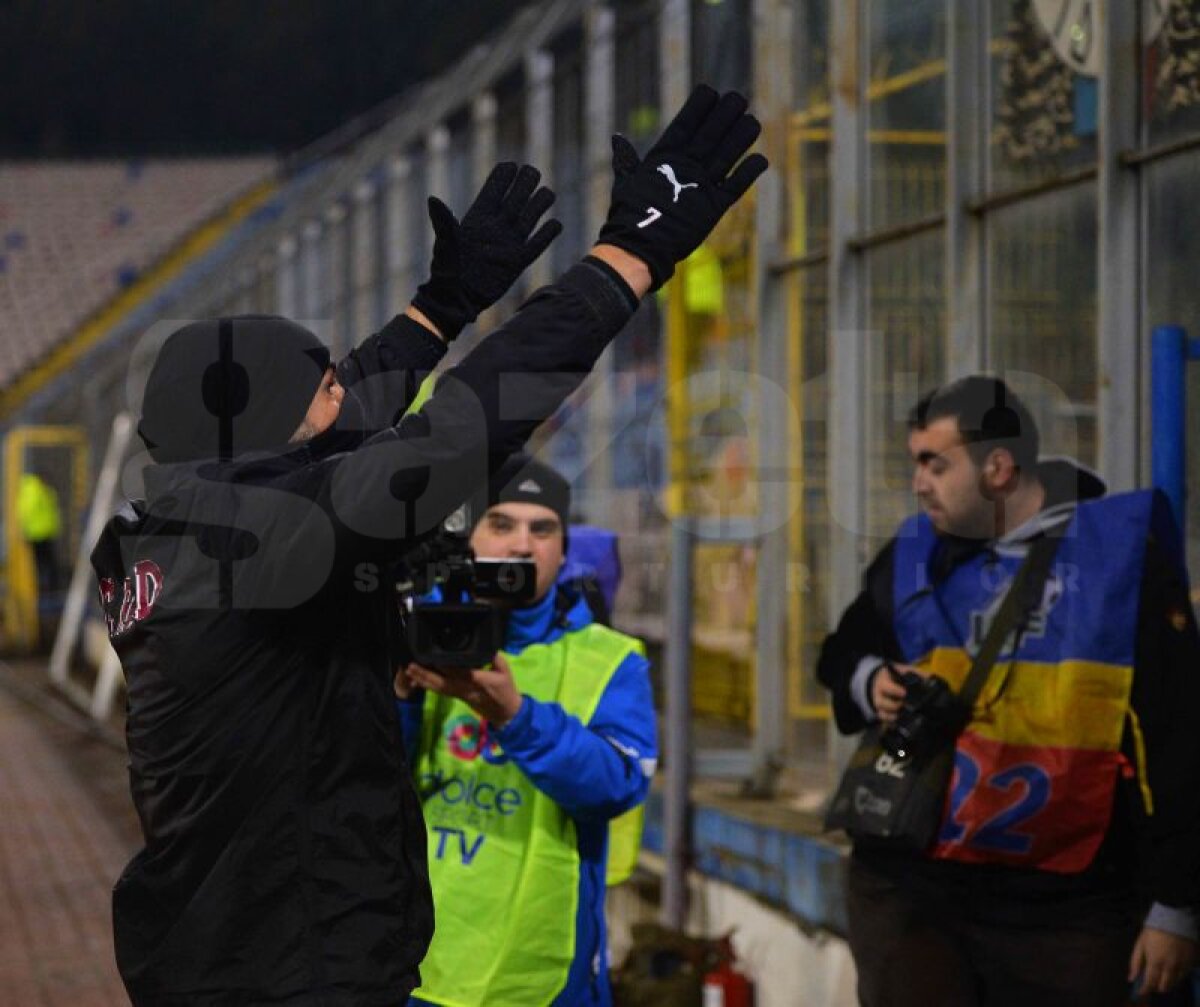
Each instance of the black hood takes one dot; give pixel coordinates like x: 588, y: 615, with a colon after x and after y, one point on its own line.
x: 1067, y: 481
x: 223, y: 386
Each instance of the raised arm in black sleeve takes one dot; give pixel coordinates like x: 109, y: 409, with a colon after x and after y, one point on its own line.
x: 398, y: 485
x: 381, y: 377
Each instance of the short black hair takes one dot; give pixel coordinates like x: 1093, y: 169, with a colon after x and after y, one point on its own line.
x: 989, y: 416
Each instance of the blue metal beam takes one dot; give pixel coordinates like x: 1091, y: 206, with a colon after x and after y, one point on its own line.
x: 1170, y: 350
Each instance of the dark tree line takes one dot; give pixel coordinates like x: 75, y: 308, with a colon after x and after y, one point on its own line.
x: 119, y: 77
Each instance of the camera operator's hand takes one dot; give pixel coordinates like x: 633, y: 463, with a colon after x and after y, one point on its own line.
x: 665, y: 206
x: 476, y: 260
x: 490, y: 692
x: 887, y: 690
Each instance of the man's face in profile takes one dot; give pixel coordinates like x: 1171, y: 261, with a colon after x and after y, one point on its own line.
x: 323, y: 410
x: 522, y: 531
x: 946, y: 481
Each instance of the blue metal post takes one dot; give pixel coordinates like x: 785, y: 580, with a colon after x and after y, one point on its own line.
x: 1169, y: 350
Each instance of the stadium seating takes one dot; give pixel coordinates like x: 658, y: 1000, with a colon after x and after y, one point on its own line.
x: 74, y: 233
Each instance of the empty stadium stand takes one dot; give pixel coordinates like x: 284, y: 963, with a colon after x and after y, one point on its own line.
x: 74, y: 234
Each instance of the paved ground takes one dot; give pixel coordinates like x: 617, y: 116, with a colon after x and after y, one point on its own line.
x: 66, y: 830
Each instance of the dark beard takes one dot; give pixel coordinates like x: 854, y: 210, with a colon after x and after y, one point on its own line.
x: 333, y: 442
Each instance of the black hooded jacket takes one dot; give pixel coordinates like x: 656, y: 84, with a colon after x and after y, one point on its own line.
x: 284, y: 858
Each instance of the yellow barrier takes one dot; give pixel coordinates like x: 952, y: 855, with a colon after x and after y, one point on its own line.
x: 20, y: 610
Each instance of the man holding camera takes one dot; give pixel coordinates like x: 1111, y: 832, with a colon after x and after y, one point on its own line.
x: 284, y: 857
x: 530, y: 772
x: 1068, y: 854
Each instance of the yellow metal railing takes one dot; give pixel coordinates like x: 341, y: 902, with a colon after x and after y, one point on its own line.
x: 20, y: 609
x: 711, y: 332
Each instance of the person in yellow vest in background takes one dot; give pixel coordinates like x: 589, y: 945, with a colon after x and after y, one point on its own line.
x: 529, y: 772
x: 41, y: 523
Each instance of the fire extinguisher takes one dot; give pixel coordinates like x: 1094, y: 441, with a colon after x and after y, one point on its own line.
x: 725, y: 985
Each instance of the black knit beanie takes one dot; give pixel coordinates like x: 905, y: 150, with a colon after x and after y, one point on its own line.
x: 522, y: 479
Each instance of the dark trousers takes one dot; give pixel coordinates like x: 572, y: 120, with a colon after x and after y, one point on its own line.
x: 917, y: 946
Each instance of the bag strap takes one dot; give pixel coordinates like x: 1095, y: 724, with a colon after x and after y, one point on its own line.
x: 1022, y: 596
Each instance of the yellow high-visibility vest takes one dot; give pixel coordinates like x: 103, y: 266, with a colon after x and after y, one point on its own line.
x: 37, y: 510
x: 503, y: 857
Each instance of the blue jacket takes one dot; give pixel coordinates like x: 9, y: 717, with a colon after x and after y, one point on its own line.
x: 594, y: 773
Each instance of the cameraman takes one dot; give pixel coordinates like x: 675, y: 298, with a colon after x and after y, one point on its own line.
x: 522, y: 768
x: 1069, y: 851
x: 284, y: 857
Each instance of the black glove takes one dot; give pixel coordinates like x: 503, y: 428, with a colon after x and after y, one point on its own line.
x: 477, y: 260
x: 664, y: 206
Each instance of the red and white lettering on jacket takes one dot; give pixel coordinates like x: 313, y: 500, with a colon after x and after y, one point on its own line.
x: 140, y: 591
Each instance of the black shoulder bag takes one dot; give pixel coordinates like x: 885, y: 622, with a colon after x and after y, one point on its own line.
x: 884, y: 798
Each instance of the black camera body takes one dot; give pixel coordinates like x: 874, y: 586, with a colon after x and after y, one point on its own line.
x: 466, y: 627
x: 931, y: 716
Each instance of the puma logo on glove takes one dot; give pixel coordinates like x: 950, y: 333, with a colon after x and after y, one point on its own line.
x: 707, y: 143
x: 666, y: 169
